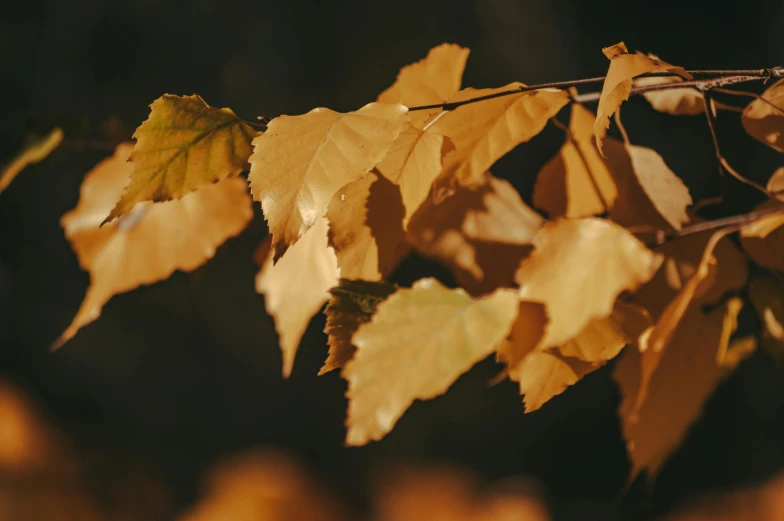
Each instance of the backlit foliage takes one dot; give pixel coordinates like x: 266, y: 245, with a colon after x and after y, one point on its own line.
x: 611, y: 260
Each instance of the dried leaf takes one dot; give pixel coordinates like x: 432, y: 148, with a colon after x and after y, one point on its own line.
x: 413, y: 163
x: 595, y: 259
x: 297, y: 286
x: 430, y: 80
x: 618, y: 83
x: 352, y: 304
x: 183, y: 145
x: 484, y: 132
x: 686, y: 375
x: 365, y: 228
x: 34, y: 152
x: 300, y: 162
x: 150, y: 242
x: 763, y: 118
x: 687, y: 101
x: 417, y: 344
x: 480, y: 233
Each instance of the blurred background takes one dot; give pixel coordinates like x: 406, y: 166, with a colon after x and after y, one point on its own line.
x: 177, y: 376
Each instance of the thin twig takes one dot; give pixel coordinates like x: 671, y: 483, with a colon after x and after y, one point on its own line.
x: 723, y: 164
x: 710, y: 79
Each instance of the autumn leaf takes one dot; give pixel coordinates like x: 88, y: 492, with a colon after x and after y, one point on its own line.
x: 484, y: 132
x: 763, y: 240
x: 353, y: 303
x: 34, y: 152
x: 413, y: 163
x: 776, y: 184
x: 595, y: 259
x: 767, y: 297
x: 687, y: 101
x: 624, y: 67
x: 366, y: 228
x: 686, y: 375
x: 183, y: 145
x: 767, y: 224
x: 300, y: 162
x: 150, y: 242
x: 545, y: 374
x: 480, y: 233
x: 763, y: 118
x: 297, y: 286
x: 419, y: 341
x: 428, y: 81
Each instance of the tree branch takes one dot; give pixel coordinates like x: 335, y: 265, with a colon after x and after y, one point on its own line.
x: 704, y: 80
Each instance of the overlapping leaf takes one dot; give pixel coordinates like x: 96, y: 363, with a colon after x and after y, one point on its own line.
x: 763, y: 118
x: 183, y: 145
x: 300, y: 162
x: 152, y: 241
x: 297, y: 286
x: 417, y: 343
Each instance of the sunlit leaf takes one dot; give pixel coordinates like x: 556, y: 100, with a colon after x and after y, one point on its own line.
x: 763, y: 118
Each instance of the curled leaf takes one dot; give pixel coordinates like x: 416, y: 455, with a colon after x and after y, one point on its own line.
x: 183, y: 145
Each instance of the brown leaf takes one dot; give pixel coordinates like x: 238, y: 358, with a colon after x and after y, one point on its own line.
x: 765, y: 225
x: 767, y: 297
x: 300, y: 162
x: 685, y: 377
x: 763, y: 118
x: 352, y: 304
x: 430, y: 80
x: 618, y: 83
x: 419, y: 341
x: 151, y: 241
x: 365, y: 228
x: 297, y: 286
x: 480, y: 233
x: 776, y: 183
x: 763, y: 241
x: 484, y: 132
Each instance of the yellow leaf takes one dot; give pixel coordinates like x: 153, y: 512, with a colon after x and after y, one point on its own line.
x: 352, y: 304
x: 576, y: 182
x: 686, y: 375
x: 419, y: 341
x: 763, y: 118
x: 183, y: 145
x: 151, y: 241
x: 484, y: 132
x: 623, y: 69
x: 545, y: 374
x: 595, y: 260
x: 33, y: 153
x: 365, y: 228
x: 297, y: 286
x: 300, y: 162
x: 480, y: 233
x: 686, y: 101
x: 430, y: 80
x: 767, y: 297
x: 413, y: 163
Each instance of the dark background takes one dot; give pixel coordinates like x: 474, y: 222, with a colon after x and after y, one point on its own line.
x: 175, y: 375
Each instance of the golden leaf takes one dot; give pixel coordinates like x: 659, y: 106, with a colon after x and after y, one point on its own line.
x: 484, y: 132
x: 183, y: 145
x: 352, y: 304
x: 430, y: 80
x: 419, y: 341
x: 413, y: 163
x: 365, y: 228
x: 300, y: 162
x: 623, y: 69
x: 763, y: 118
x: 686, y: 101
x: 686, y: 376
x: 297, y: 286
x: 480, y: 233
x: 595, y: 259
x: 545, y: 374
x: 34, y: 152
x: 152, y: 241
x: 763, y: 240
x: 776, y: 184
x: 765, y: 225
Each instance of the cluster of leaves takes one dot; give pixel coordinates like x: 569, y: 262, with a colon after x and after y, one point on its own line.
x: 348, y: 195
x: 42, y: 476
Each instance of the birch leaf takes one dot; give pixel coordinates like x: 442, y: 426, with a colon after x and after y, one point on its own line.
x: 686, y: 101
x: 416, y: 345
x: 300, y: 162
x: 183, y: 145
x: 295, y: 288
x: 152, y: 241
x: 763, y: 118
x: 34, y: 152
x: 624, y: 67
